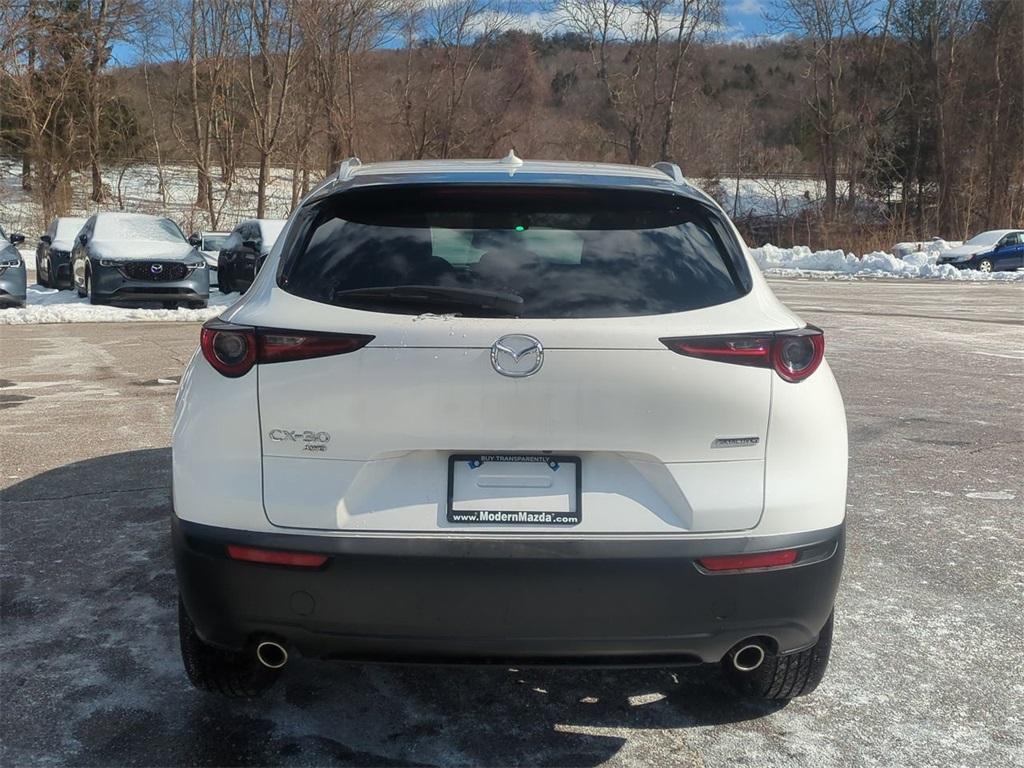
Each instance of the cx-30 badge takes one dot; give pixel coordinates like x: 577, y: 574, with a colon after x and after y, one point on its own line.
x: 517, y: 355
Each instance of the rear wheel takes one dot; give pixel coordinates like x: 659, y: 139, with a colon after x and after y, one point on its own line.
x: 84, y: 290
x: 43, y: 281
x: 788, y: 676
x: 229, y: 673
x: 985, y: 265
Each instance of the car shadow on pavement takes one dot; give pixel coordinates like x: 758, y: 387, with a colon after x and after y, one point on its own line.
x: 88, y: 607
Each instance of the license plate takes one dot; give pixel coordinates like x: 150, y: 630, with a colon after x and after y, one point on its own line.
x: 514, y: 489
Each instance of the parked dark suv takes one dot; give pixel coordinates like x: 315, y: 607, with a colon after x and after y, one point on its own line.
x: 135, y: 257
x: 245, y: 251
x: 53, y: 252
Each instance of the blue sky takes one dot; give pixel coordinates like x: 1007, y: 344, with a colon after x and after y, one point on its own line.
x: 744, y: 19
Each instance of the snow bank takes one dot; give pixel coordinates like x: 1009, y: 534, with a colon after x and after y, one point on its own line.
x: 802, y: 261
x: 935, y: 245
x: 46, y: 305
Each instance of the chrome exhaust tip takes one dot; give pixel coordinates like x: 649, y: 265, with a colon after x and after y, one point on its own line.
x: 271, y: 655
x: 749, y: 657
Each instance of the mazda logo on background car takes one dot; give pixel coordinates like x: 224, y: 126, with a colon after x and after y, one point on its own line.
x: 156, y: 269
x: 517, y: 355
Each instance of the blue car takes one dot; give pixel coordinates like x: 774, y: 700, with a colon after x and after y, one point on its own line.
x: 13, y: 283
x: 993, y: 251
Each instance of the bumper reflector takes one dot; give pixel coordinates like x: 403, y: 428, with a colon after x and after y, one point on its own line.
x: 276, y: 556
x: 749, y: 562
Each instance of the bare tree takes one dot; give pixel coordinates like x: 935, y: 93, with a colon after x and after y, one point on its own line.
x: 824, y: 27
x: 626, y: 39
x: 269, y: 35
x: 105, y: 22
x: 42, y: 64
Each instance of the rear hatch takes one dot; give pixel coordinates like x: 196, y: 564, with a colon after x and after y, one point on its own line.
x: 515, y: 381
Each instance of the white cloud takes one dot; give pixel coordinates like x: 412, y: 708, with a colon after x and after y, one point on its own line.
x: 748, y: 8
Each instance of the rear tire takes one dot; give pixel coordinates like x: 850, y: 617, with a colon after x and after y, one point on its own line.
x: 229, y: 673
x: 39, y: 276
x: 82, y: 292
x: 788, y: 676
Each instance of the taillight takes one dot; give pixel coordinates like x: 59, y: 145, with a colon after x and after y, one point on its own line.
x: 276, y: 556
x: 231, y: 349
x: 277, y: 346
x: 749, y: 562
x: 794, y: 355
x: 234, y: 349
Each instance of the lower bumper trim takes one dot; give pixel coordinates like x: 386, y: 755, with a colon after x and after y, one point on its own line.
x: 445, y: 600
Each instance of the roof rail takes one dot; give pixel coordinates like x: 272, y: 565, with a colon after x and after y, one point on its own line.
x: 671, y: 170
x: 346, y: 168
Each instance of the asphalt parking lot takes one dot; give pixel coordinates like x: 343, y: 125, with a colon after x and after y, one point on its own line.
x: 927, y: 664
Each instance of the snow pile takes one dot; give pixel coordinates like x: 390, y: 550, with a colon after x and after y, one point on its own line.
x: 46, y: 305
x: 935, y: 245
x: 801, y: 260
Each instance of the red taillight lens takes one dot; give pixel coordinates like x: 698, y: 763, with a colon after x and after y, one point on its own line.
x: 749, y: 562
x: 276, y: 346
x: 794, y: 355
x: 230, y: 349
x: 234, y: 349
x: 742, y: 350
x: 797, y: 354
x: 276, y: 556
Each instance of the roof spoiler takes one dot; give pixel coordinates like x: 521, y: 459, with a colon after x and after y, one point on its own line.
x: 346, y: 168
x: 671, y: 170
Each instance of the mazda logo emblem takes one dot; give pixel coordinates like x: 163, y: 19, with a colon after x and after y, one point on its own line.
x: 156, y: 269
x: 517, y: 355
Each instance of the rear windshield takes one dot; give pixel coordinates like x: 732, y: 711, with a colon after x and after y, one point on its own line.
x: 542, y: 252
x: 214, y: 242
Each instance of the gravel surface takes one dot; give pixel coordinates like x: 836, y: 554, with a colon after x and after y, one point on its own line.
x: 926, y: 668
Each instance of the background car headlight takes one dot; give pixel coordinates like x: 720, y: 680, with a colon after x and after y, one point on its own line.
x: 10, y: 263
x: 196, y: 265
x: 111, y: 263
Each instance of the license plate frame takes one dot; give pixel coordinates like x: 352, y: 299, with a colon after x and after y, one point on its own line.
x: 516, y: 518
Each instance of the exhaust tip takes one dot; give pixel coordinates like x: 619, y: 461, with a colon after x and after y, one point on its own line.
x: 271, y: 655
x: 749, y: 657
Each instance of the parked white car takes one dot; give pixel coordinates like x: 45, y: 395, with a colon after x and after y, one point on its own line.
x: 509, y: 411
x: 209, y: 244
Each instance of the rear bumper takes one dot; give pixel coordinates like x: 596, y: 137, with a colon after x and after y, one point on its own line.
x: 449, y: 600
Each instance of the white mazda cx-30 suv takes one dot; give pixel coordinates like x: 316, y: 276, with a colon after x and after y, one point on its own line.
x: 509, y: 411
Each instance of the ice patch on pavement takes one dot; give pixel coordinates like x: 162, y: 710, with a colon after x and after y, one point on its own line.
x: 802, y: 261
x: 991, y: 495
x: 48, y: 305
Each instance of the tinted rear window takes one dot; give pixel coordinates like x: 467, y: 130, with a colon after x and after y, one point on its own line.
x: 567, y: 252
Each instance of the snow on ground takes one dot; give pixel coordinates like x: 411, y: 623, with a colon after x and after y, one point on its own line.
x: 801, y: 261
x: 46, y: 305
x: 779, y: 197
